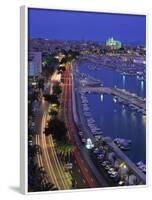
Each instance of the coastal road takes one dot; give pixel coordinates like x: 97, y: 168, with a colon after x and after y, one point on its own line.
x: 48, y: 159
x: 87, y: 166
x: 55, y: 167
x: 71, y: 128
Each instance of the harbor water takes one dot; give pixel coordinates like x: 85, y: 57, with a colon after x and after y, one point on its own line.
x: 115, y: 119
x: 112, y: 78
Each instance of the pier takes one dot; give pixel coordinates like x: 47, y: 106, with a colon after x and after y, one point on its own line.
x: 126, y: 96
x: 131, y: 99
x: 141, y: 176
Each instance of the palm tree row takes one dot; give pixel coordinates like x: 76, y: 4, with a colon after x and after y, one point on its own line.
x: 57, y: 127
x: 37, y: 176
x: 65, y: 151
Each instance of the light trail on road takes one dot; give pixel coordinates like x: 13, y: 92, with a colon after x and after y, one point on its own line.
x: 46, y: 155
x: 72, y: 127
x: 62, y: 178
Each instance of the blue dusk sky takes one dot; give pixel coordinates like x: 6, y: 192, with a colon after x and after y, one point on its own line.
x: 70, y: 25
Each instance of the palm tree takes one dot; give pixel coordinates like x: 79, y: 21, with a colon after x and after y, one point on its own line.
x: 57, y: 89
x: 53, y: 113
x: 57, y: 128
x: 65, y: 151
x: 51, y: 98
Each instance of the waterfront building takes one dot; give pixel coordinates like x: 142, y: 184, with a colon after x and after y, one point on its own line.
x: 114, y: 44
x: 34, y: 63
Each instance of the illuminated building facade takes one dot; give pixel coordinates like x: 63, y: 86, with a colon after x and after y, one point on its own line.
x: 34, y: 63
x: 113, y: 44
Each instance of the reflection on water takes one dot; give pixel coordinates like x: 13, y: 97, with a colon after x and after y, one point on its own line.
x: 112, y: 78
x: 142, y: 85
x: 115, y: 119
x: 142, y: 90
x: 123, y: 81
x: 101, y: 97
x: 133, y: 118
x: 144, y: 120
x: 123, y: 113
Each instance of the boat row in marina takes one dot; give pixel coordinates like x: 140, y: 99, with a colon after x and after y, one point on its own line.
x: 89, y: 119
x: 139, y: 110
x: 132, y: 106
x: 141, y: 166
x: 122, y: 143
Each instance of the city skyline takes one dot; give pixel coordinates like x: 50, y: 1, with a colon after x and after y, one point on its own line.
x: 51, y: 24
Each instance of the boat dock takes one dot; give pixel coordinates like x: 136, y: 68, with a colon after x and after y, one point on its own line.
x: 125, y: 96
x: 141, y: 176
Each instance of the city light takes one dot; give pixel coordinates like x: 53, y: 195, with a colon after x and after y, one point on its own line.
x: 114, y: 99
x: 123, y: 80
x: 142, y: 84
x: 101, y: 97
x: 89, y: 144
x: 123, y: 165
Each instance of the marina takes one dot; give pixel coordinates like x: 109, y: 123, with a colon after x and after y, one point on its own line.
x: 124, y: 117
x: 97, y: 135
